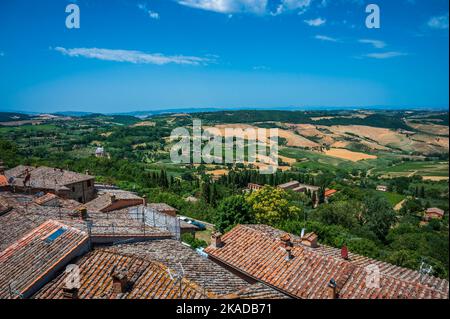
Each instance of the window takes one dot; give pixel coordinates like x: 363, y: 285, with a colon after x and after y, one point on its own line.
x: 53, y: 236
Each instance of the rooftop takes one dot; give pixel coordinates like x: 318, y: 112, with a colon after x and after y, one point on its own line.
x: 3, y: 181
x: 42, y: 200
x: 148, y: 266
x: 255, y: 251
x: 289, y: 184
x: 45, y: 177
x: 436, y: 211
x: 24, y: 215
x: 330, y: 192
x: 122, y: 224
x: 146, y: 279
x: 113, y: 200
x: 27, y: 262
x: 171, y: 252
x: 161, y: 207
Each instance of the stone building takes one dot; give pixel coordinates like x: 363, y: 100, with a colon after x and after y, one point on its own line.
x: 66, y: 184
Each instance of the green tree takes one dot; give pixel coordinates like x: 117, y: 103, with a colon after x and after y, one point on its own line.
x: 342, y: 213
x: 378, y: 216
x: 231, y: 211
x: 272, y: 206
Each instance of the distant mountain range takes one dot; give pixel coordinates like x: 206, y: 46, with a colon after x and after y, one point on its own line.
x: 24, y: 115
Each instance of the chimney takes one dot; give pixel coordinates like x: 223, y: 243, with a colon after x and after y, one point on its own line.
x: 120, y: 281
x: 310, y: 240
x: 216, y: 240
x: 70, y: 293
x: 344, y: 252
x: 86, y: 172
x: 332, y: 287
x: 289, y: 255
x: 113, y: 198
x: 285, y: 241
x: 82, y: 213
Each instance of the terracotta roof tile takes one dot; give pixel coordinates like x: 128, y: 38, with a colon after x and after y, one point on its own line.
x: 45, y: 177
x: 3, y: 181
x: 26, y: 262
x: 198, y: 269
x: 255, y: 250
x: 45, y: 198
x: 147, y: 280
x: 108, y: 201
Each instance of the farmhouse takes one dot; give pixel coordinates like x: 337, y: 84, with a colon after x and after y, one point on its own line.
x: 100, y: 152
x: 297, y: 187
x: 434, y: 213
x: 382, y: 188
x: 254, y: 187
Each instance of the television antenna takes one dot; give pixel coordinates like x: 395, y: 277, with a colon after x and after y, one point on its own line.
x: 177, y: 277
x: 425, y: 270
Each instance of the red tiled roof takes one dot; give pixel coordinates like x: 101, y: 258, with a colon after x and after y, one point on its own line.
x: 45, y: 199
x: 330, y: 192
x: 113, y: 201
x: 306, y: 275
x: 255, y: 251
x: 198, y: 269
x: 26, y: 264
x: 148, y: 280
x: 3, y: 181
x: 435, y: 210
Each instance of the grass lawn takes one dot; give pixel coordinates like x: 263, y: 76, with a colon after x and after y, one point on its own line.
x: 393, y: 198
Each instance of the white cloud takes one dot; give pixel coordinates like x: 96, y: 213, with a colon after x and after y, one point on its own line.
x: 228, y: 6
x: 375, y: 43
x: 258, y: 7
x: 151, y: 14
x: 440, y: 22
x: 325, y: 38
x: 385, y: 55
x: 315, y: 22
x: 292, y: 5
x: 261, y: 68
x: 135, y: 57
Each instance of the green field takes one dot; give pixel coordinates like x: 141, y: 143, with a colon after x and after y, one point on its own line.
x: 316, y: 161
x: 421, y: 168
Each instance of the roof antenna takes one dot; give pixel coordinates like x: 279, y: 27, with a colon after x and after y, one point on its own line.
x: 177, y: 277
x: 425, y: 270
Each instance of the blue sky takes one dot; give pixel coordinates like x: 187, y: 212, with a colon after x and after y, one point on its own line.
x: 142, y: 55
